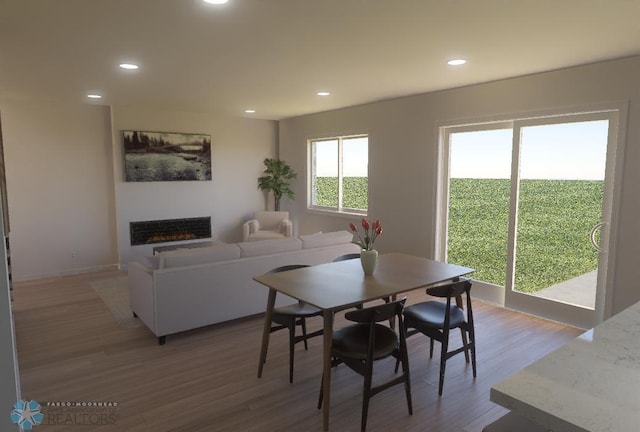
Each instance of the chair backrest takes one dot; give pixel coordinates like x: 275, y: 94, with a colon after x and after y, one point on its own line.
x: 286, y: 268
x: 451, y: 290
x: 270, y: 220
x: 454, y: 290
x: 347, y: 257
x: 378, y: 313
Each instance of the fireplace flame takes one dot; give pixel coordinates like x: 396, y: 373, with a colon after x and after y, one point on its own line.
x: 158, y: 238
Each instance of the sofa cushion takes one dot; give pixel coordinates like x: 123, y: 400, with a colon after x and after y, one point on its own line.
x: 185, y: 257
x: 325, y: 239
x: 265, y: 235
x: 271, y: 246
x: 154, y: 260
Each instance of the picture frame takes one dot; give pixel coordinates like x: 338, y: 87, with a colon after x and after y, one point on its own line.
x: 166, y: 156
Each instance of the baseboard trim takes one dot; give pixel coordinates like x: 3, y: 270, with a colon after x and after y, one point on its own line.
x: 70, y: 272
x: 489, y: 293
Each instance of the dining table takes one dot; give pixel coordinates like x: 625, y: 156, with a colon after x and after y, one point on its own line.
x: 336, y: 286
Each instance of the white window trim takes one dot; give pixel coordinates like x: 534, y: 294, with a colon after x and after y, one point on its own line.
x: 339, y: 210
x: 620, y: 110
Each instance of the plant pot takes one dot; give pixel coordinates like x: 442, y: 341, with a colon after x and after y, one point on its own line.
x: 368, y: 260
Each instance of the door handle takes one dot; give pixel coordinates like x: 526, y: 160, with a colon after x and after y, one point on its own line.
x: 592, y: 235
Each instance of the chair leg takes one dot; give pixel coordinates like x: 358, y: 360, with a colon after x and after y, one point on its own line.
x: 472, y: 338
x: 292, y: 337
x: 444, y: 346
x: 303, y: 324
x: 404, y: 355
x: 320, y: 397
x: 465, y: 343
x: 430, y: 348
x: 366, y: 394
x: 398, y: 359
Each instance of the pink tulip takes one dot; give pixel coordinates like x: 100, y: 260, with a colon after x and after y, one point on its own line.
x: 376, y: 224
x: 379, y: 230
x: 365, y: 224
x: 353, y: 227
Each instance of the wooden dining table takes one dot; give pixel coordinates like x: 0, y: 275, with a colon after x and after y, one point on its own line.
x: 336, y: 286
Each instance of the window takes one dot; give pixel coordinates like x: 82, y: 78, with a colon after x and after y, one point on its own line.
x: 339, y: 174
x: 527, y: 203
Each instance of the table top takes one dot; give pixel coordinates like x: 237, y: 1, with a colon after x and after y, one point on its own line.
x: 343, y: 284
x: 590, y: 384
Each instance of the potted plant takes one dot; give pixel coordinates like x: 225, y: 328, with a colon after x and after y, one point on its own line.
x: 278, y: 175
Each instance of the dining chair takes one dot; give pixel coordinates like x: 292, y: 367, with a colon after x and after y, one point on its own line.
x: 435, y: 319
x: 347, y: 257
x: 358, y: 346
x: 287, y: 317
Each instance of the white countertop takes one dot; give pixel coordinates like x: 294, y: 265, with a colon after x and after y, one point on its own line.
x: 590, y: 384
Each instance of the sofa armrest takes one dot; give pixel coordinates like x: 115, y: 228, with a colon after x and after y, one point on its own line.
x: 249, y: 227
x: 142, y: 293
x: 286, y: 228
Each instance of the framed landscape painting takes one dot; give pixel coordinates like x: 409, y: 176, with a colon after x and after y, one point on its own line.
x: 163, y: 156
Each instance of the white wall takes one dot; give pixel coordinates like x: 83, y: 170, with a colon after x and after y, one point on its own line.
x: 60, y: 187
x: 403, y: 153
x: 64, y: 166
x: 238, y: 147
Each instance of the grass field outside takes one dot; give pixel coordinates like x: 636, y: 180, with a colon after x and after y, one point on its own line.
x: 554, y: 221
x: 354, y: 192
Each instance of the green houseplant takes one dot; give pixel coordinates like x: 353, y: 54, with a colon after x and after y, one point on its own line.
x: 277, y: 178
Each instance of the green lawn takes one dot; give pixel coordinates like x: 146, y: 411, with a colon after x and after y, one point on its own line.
x: 555, y: 218
x: 354, y: 192
x: 554, y: 221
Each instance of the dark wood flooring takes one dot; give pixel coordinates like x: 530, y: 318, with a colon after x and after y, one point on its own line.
x: 71, y: 349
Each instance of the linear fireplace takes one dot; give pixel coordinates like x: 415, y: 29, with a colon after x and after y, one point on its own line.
x: 169, y: 230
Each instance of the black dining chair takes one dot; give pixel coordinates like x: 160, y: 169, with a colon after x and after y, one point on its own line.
x: 435, y: 319
x: 287, y: 317
x: 358, y: 346
x: 347, y: 257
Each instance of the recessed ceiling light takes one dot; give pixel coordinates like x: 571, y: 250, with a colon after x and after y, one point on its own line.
x: 456, y: 62
x: 94, y: 96
x: 323, y: 93
x: 249, y: 111
x: 129, y: 66
x: 216, y: 1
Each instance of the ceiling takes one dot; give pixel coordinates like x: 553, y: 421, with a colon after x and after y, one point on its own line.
x: 275, y: 55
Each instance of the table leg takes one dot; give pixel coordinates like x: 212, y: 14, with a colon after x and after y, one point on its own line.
x: 326, y: 368
x: 271, y: 301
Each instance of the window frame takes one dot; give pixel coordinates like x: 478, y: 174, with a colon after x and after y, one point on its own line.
x: 558, y: 311
x: 339, y: 209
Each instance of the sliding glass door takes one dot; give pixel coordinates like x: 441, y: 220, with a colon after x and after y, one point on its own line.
x: 527, y: 204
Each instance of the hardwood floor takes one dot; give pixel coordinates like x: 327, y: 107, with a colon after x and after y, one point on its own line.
x: 71, y: 349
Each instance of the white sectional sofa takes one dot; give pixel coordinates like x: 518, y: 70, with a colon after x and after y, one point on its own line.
x: 185, y: 289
